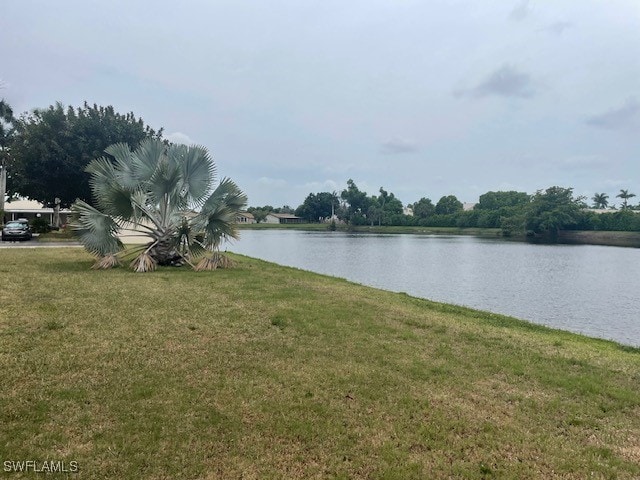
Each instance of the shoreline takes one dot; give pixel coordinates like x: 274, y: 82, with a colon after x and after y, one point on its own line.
x: 571, y: 237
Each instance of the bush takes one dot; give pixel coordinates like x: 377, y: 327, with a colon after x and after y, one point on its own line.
x: 512, y: 225
x: 622, y: 220
x: 40, y: 225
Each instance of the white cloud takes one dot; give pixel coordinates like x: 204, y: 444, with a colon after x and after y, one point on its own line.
x: 272, y: 182
x: 619, y: 118
x: 506, y: 81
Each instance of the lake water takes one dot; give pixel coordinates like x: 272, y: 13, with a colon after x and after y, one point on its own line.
x: 586, y: 289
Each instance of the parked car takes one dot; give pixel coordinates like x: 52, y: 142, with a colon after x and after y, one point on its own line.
x: 16, y: 230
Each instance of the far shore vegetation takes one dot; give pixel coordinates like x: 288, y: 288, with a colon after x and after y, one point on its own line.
x: 44, y: 155
x: 544, y: 214
x: 263, y: 371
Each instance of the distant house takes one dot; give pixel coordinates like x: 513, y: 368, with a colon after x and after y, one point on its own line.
x: 245, y: 217
x: 283, y: 218
x: 604, y: 210
x: 466, y: 206
x: 31, y: 209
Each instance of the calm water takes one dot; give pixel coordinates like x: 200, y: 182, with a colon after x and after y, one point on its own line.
x: 586, y: 289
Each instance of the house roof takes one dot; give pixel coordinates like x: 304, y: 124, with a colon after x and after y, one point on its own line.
x: 245, y: 214
x: 26, y: 205
x: 283, y: 215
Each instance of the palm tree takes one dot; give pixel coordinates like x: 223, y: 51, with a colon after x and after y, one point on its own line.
x: 625, y: 195
x: 164, y: 193
x: 600, y: 200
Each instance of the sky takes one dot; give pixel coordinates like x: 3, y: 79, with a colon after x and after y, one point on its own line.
x: 291, y: 97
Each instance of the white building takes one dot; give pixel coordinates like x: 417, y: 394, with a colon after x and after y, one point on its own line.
x: 245, y: 217
x: 31, y: 209
x: 283, y: 218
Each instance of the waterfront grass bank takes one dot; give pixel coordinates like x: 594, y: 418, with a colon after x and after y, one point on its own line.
x: 264, y: 371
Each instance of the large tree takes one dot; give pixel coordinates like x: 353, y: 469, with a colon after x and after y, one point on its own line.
x: 384, y: 207
x: 318, y: 206
x: 357, y: 203
x: 164, y: 192
x: 498, y: 200
x: 423, y: 208
x: 553, y: 210
x: 52, y: 147
x: 502, y: 210
x: 448, y: 204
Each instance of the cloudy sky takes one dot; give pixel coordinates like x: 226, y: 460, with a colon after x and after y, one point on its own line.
x: 425, y: 98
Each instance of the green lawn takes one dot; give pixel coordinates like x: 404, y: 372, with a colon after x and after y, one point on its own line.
x: 269, y: 372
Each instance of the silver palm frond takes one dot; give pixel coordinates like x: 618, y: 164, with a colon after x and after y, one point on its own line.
x: 156, y: 191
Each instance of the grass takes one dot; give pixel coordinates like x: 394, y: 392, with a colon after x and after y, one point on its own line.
x: 263, y: 371
x: 62, y: 235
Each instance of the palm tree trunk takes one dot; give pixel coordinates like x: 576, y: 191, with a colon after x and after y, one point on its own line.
x: 165, y: 253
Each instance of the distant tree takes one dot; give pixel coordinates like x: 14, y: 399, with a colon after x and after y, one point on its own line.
x: 260, y: 213
x: 448, y: 204
x: 53, y: 146
x: 285, y: 209
x: 553, y: 210
x: 357, y: 203
x: 318, y: 206
x: 497, y: 200
x: 625, y: 196
x: 384, y: 207
x: 423, y: 208
x: 503, y: 210
x: 600, y: 200
x: 374, y: 211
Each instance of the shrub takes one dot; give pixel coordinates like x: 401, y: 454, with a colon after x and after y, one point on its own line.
x: 40, y: 225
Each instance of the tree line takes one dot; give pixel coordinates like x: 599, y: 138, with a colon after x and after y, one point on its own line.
x: 546, y: 212
x: 44, y: 154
